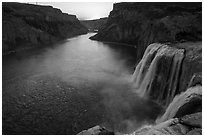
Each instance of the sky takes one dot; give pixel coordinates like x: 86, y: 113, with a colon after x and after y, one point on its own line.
x: 83, y: 10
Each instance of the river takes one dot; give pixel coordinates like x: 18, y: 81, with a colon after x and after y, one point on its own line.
x: 71, y: 86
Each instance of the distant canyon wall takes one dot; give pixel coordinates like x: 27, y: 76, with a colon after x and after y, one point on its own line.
x: 141, y: 24
x: 27, y: 25
x: 94, y: 25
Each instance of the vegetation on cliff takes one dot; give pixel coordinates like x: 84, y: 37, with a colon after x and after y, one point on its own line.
x: 27, y: 25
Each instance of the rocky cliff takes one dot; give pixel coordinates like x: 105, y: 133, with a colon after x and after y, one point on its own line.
x: 183, y: 116
x: 94, y: 25
x: 169, y: 73
x: 141, y: 24
x: 27, y: 25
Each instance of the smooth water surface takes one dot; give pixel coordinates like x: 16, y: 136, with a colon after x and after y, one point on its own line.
x: 71, y: 86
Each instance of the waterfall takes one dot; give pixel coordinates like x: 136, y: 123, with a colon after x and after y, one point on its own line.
x: 188, y: 97
x: 157, y: 74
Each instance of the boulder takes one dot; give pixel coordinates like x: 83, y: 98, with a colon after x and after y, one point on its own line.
x: 97, y: 130
x: 193, y: 120
x: 186, y: 103
x: 195, y: 131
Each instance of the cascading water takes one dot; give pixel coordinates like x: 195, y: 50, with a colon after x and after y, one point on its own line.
x: 192, y: 97
x: 157, y: 74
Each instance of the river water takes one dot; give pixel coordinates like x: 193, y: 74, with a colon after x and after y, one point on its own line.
x: 71, y: 86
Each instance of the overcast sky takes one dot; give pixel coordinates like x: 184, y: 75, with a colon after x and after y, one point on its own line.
x: 83, y: 10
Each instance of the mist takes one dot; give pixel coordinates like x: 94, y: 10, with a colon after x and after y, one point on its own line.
x: 89, y: 81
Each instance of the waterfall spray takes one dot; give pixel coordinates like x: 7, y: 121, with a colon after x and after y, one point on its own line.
x: 157, y: 74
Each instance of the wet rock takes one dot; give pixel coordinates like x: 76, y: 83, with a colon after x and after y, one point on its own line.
x: 196, y: 131
x: 183, y: 104
x: 195, y: 80
x: 186, y: 125
x: 97, y: 130
x: 193, y: 120
x: 191, y: 72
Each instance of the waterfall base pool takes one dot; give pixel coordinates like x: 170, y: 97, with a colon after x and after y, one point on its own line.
x: 72, y: 86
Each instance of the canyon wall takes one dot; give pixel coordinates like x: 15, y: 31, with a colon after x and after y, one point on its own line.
x: 168, y: 41
x: 141, y: 24
x: 177, y: 25
x: 27, y: 25
x: 94, y: 25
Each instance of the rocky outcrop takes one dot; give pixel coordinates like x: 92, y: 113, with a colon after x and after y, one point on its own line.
x: 187, y: 102
x: 191, y: 70
x: 187, y: 125
x: 94, y: 25
x: 27, y: 25
x: 183, y: 116
x: 141, y: 24
x: 97, y: 130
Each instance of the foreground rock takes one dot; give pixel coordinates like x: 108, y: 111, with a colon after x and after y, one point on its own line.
x: 186, y: 103
x: 27, y: 25
x: 97, y: 130
x: 175, y: 127
x: 183, y: 116
x: 141, y: 24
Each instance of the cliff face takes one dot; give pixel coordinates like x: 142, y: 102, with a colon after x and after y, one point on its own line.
x: 27, y: 25
x: 141, y: 24
x: 94, y: 25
